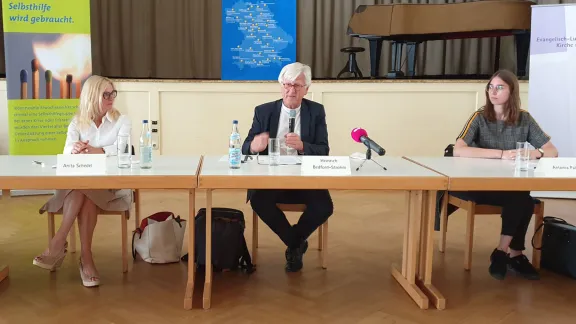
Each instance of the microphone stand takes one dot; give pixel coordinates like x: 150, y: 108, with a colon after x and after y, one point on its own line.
x: 369, y: 157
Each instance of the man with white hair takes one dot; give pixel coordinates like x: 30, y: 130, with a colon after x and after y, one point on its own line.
x: 310, y: 137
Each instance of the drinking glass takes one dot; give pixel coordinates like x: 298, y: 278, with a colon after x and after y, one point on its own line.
x: 274, y: 151
x: 522, y: 156
x: 124, y: 155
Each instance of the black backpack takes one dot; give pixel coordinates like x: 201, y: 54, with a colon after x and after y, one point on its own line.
x: 229, y: 249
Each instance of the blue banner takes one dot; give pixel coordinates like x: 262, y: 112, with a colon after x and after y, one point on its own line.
x: 258, y: 38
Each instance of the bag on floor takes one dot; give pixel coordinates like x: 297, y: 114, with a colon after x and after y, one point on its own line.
x: 159, y: 238
x: 229, y: 249
x: 558, y: 246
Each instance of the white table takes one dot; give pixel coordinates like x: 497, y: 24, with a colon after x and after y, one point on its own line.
x: 167, y: 172
x: 467, y: 174
x: 420, y: 183
x: 475, y: 174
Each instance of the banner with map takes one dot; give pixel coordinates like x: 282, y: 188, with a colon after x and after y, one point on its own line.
x: 551, y: 94
x: 48, y: 58
x: 258, y: 38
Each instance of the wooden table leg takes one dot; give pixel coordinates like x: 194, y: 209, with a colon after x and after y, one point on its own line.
x: 191, y: 257
x: 208, y: 264
x: 137, y: 208
x: 427, y: 254
x: 410, y: 258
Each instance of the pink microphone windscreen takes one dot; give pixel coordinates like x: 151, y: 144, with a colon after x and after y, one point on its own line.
x: 357, y: 133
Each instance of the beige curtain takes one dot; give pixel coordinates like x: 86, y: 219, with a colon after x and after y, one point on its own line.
x: 181, y: 39
x: 156, y: 39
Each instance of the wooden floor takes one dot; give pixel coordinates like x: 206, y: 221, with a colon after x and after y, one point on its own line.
x: 365, y: 238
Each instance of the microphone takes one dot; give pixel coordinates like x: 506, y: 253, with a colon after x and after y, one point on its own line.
x: 360, y: 135
x: 292, y: 121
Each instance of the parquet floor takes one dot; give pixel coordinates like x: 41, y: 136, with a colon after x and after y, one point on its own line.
x: 365, y: 238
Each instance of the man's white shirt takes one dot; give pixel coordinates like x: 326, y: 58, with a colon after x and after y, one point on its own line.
x: 283, y: 129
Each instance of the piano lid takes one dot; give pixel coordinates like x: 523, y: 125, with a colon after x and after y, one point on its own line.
x: 371, y: 20
x: 421, y: 19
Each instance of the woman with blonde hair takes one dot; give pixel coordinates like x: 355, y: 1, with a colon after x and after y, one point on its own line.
x: 93, y: 130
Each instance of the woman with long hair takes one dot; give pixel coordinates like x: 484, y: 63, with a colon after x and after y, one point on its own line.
x: 93, y: 130
x: 492, y: 132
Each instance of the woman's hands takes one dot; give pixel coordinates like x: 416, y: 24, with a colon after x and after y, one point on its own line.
x: 511, y: 154
x: 81, y: 147
x: 508, y: 155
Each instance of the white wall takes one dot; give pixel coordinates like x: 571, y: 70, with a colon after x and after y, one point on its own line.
x: 195, y: 117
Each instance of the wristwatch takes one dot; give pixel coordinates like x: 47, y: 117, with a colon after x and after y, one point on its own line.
x: 541, y: 152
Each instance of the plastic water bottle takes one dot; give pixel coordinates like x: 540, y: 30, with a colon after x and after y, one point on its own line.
x: 235, y: 147
x: 145, y: 146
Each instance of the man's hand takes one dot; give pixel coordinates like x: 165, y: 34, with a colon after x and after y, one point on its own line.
x: 293, y: 141
x: 259, y: 143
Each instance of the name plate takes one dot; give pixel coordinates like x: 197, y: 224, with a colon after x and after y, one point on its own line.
x: 556, y: 167
x: 326, y: 166
x: 81, y: 164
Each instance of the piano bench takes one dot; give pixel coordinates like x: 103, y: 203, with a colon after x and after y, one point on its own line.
x: 352, y: 50
x: 351, y: 66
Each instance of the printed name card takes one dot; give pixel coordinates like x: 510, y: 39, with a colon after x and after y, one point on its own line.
x: 81, y: 164
x: 326, y: 165
x: 556, y: 167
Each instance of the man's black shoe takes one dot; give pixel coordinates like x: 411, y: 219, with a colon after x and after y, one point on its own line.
x: 294, y: 257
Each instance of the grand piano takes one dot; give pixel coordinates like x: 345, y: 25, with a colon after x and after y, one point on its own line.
x: 411, y: 24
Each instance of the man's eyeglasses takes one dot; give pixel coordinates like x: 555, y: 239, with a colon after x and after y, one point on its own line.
x: 287, y: 86
x: 108, y: 95
x: 498, y: 88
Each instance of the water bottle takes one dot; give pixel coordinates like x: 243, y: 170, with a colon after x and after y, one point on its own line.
x: 235, y: 147
x: 145, y: 146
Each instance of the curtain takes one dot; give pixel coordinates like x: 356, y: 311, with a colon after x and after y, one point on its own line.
x: 181, y: 39
x: 156, y: 38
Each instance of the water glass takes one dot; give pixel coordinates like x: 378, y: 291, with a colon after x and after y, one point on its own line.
x: 274, y: 151
x: 124, y: 153
x: 522, y: 156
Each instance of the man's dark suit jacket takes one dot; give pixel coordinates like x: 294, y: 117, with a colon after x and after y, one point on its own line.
x: 313, y: 129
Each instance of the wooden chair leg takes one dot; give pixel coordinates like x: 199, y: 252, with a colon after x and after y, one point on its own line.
x: 324, y: 253
x: 125, y: 216
x: 320, y: 236
x: 72, y: 235
x: 538, y: 220
x: 254, y: 237
x: 469, y: 236
x: 51, y: 229
x: 443, y: 223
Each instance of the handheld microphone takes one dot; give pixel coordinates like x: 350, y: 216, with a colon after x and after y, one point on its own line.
x: 292, y: 121
x: 360, y: 135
